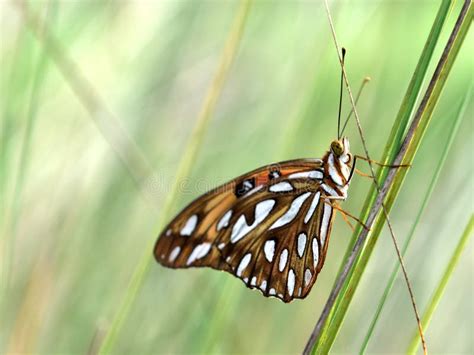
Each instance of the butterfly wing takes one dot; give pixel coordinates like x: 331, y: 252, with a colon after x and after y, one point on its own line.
x: 220, y: 228
x: 280, y: 249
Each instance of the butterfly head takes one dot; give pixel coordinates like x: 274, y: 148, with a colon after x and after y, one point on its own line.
x: 338, y: 160
x: 341, y: 149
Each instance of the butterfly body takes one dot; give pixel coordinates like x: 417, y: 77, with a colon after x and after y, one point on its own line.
x: 269, y: 227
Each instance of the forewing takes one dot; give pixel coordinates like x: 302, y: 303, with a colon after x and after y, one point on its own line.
x: 191, y: 239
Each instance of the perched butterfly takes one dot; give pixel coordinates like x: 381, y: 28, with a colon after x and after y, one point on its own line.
x: 269, y: 227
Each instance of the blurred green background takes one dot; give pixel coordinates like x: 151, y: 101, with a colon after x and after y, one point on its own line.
x: 76, y: 220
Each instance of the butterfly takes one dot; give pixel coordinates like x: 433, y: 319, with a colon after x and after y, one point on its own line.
x: 269, y: 227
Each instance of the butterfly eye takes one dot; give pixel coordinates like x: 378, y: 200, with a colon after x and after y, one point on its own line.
x: 337, y: 148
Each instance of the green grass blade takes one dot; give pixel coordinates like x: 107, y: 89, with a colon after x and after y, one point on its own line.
x: 432, y: 305
x: 399, y: 126
x: 391, y: 186
x: 184, y: 169
x: 406, y: 108
x: 456, y: 123
x: 413, y: 91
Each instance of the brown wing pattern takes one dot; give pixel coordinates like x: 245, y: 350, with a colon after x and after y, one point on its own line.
x: 260, y: 227
x: 283, y: 254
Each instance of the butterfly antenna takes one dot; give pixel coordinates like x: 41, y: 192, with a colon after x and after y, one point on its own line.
x: 340, y: 98
x: 364, y: 82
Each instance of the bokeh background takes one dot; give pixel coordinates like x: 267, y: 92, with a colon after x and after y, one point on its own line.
x: 76, y: 221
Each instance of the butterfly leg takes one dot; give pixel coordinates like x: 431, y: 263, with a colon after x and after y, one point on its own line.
x: 360, y: 173
x: 332, y: 201
x: 347, y: 214
x: 381, y: 164
x: 344, y: 216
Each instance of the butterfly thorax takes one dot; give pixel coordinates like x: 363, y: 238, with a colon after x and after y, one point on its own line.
x: 338, y: 173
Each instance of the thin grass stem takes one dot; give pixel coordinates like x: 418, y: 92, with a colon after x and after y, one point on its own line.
x: 327, y: 327
x: 424, y: 204
x: 377, y: 187
x: 433, y: 303
x: 408, y: 104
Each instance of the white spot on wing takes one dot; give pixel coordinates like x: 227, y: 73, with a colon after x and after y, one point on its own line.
x: 301, y: 244
x: 329, y: 190
x: 281, y: 187
x: 313, y: 206
x: 199, y: 252
x: 263, y: 286
x: 315, y: 251
x: 168, y: 232
x: 243, y: 264
x: 269, y: 249
x: 190, y: 225
x: 292, y: 211
x: 241, y: 228
x: 224, y: 221
x: 291, y: 282
x: 283, y: 260
x: 251, y: 192
x: 272, y: 292
x: 253, y: 282
x: 174, y: 254
x: 307, y: 277
x: 247, y: 184
x: 262, y: 209
x: 221, y: 246
x: 312, y: 174
x: 274, y: 174
x: 325, y: 222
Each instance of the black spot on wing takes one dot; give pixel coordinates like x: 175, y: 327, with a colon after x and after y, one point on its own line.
x: 244, y: 186
x: 274, y: 174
